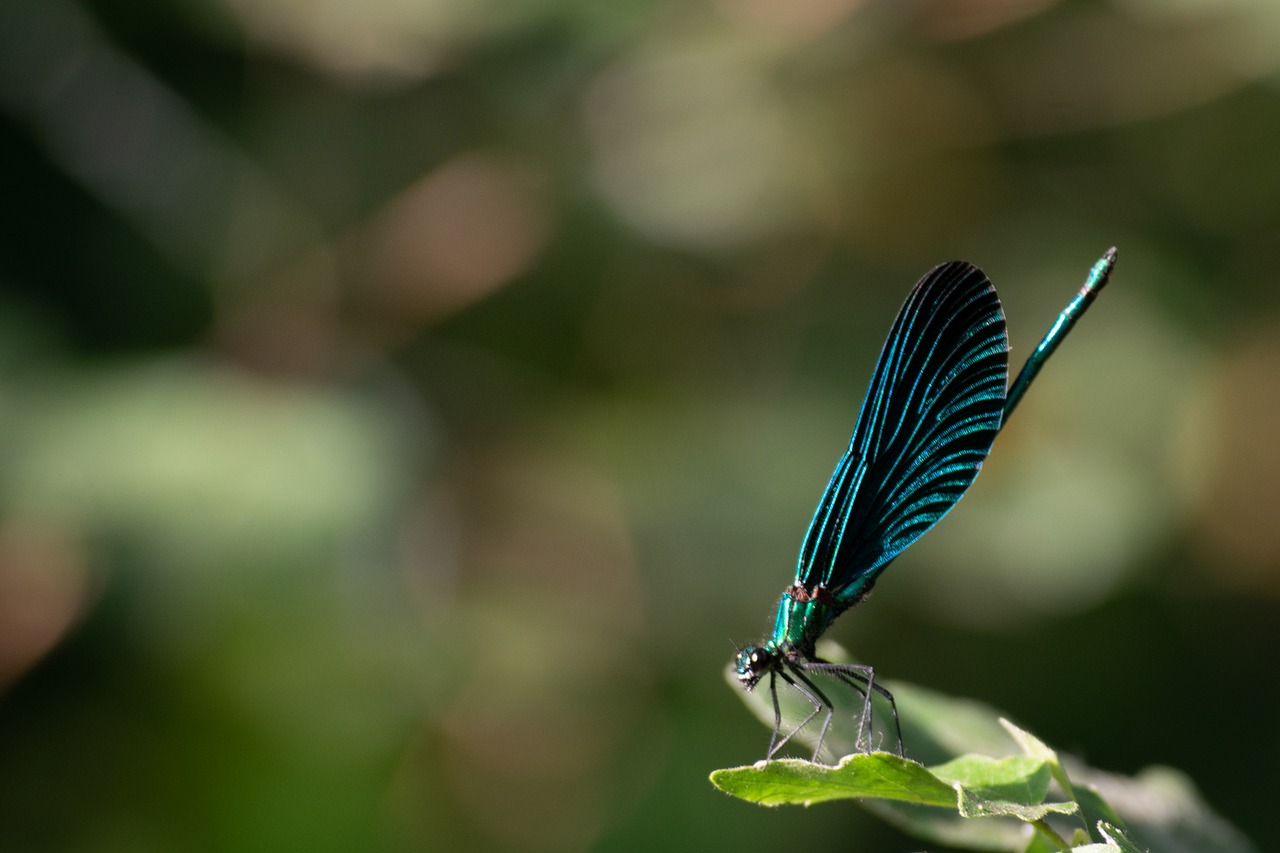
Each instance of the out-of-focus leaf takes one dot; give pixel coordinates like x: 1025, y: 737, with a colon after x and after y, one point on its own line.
x: 1161, y: 810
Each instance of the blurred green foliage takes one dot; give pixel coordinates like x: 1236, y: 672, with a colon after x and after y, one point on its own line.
x: 404, y: 407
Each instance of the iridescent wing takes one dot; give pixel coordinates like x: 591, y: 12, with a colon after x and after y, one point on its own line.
x: 927, y: 423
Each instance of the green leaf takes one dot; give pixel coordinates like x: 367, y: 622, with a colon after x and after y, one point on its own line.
x: 1033, y: 747
x: 791, y: 781
x: 947, y: 827
x: 1016, y: 780
x: 992, y: 769
x: 1095, y: 809
x: 1040, y: 844
x: 976, y: 786
x: 1116, y: 842
x: 1117, y: 838
x: 1002, y: 787
x: 971, y: 805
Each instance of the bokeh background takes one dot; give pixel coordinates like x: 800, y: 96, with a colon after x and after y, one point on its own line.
x: 406, y: 406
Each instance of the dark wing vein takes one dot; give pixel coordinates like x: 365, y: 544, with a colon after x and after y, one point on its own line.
x: 927, y: 423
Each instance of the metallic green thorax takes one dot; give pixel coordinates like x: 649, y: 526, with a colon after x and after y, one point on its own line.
x: 802, y: 618
x: 803, y: 615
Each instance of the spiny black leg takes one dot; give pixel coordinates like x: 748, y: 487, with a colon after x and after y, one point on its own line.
x: 893, y: 705
x: 893, y: 708
x: 777, y: 714
x: 866, y: 722
x: 817, y: 706
x: 827, y: 703
x: 897, y: 725
x: 850, y: 672
x: 858, y: 683
x: 861, y: 678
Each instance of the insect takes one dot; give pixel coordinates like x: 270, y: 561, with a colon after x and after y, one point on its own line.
x: 936, y: 402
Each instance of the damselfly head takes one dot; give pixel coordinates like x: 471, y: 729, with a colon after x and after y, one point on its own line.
x: 752, y: 663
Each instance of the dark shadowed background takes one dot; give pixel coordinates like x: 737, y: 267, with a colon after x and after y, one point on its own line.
x: 405, y: 407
